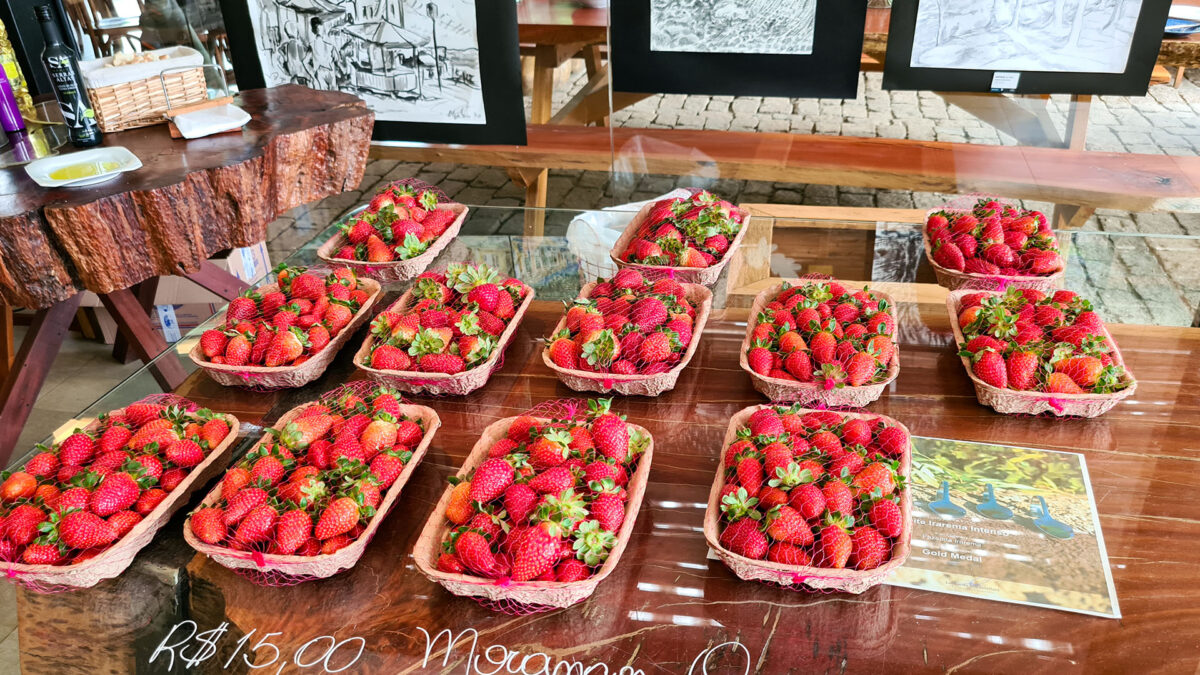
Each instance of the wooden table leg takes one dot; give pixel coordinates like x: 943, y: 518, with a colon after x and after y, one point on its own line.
x: 218, y: 281
x: 22, y: 386
x: 545, y: 61
x: 145, y: 293
x: 594, y: 65
x: 1075, y: 134
x: 133, y: 322
x: 6, y: 340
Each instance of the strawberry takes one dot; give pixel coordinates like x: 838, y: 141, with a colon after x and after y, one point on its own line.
x: 285, y: 348
x: 1022, y: 367
x: 571, y: 570
x: 475, y: 553
x: 892, y: 441
x: 808, y: 500
x: 948, y: 255
x: 441, y: 363
x: 212, y: 342
x: 868, y: 549
x: 655, y: 348
x: 860, y: 369
x: 988, y: 365
x: 743, y: 538
x: 184, y: 453
x: 240, y: 308
x: 449, y: 564
x: 459, y: 510
x: 234, y: 480
x: 1061, y: 383
x: 490, y: 480
x: 117, y: 492
x: 77, y: 449
x: 875, y: 479
x: 608, y: 509
x: 1083, y: 370
x: 786, y: 524
x: 149, y: 500
x: 838, y: 497
x: 246, y: 499
x: 292, y: 529
x: 536, y: 555
x: 22, y: 524
x: 519, y: 501
x: 42, y: 465
x: 885, y: 517
x: 378, y: 436
x: 123, y: 521
x: 833, y: 547
x: 171, y: 478
x: 648, y: 313
x: 750, y: 474
x: 760, y: 360
x: 386, y: 467
x: 42, y: 554
x: 789, y: 554
x: 553, y: 480
x: 267, y: 471
x: 611, y: 435
x: 338, y: 518
x: 823, y: 346
x: 257, y: 525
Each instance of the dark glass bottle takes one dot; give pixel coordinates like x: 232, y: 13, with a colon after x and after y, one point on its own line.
x: 63, y: 68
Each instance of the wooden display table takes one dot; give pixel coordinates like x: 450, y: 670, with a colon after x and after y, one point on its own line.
x: 667, y: 602
x: 190, y: 200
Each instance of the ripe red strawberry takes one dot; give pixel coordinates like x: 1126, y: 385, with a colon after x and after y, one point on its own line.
x: 117, y: 492
x: 338, y: 518
x: 77, y: 449
x: 387, y: 467
x: 885, y: 517
x: 868, y: 549
x: 449, y: 564
x: 891, y: 441
x: 833, y: 547
x: 856, y: 432
x: 745, y: 539
x: 235, y: 479
x: 185, y: 453
x: 241, y: 308
x: 760, y: 359
x: 611, y: 436
x: 536, y: 554
x: 989, y: 367
x: 212, y: 342
x: 808, y: 500
x: 442, y: 363
x: 82, y: 530
x: 949, y: 256
x: 238, y: 350
x: 243, y: 502
x: 571, y: 570
x: 876, y: 479
x: 648, y: 313
x: 292, y: 529
x: 123, y: 521
x: 171, y: 478
x: 267, y: 470
x: 257, y: 525
x: 42, y: 465
x: 1083, y: 370
x: 519, y: 501
x: 1061, y: 383
x: 149, y: 500
x: 389, y: 357
x: 823, y: 346
x: 1022, y: 370
x: 21, y: 525
x: 490, y: 480
x: 750, y: 474
x: 41, y: 554
x: 838, y: 497
x: 786, y: 524
x: 655, y: 348
x: 476, y: 553
x: 789, y: 554
x: 552, y: 481
x: 208, y: 524
x: 609, y: 510
x: 860, y: 369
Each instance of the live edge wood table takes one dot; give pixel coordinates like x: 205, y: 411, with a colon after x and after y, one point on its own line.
x: 189, y: 201
x: 667, y: 603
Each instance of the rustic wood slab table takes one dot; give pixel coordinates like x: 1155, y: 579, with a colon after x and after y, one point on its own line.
x: 189, y: 201
x: 667, y: 602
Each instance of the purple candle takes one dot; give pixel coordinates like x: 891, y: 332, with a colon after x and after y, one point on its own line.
x: 10, y: 114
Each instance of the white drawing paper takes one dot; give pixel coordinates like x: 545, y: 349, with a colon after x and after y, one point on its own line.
x: 1065, y: 36
x: 733, y: 26
x: 410, y: 60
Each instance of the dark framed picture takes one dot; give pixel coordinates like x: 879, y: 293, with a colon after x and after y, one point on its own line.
x: 436, y: 71
x: 794, y: 48
x: 1025, y: 46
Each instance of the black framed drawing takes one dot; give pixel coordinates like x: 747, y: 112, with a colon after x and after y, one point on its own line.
x: 1025, y: 46
x: 794, y: 48
x: 435, y: 71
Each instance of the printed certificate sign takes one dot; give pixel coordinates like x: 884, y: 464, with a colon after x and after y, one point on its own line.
x: 1005, y: 523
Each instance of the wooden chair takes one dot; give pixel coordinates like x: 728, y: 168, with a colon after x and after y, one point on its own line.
x: 104, y: 33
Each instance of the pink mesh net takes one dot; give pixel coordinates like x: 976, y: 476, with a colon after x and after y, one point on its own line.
x: 994, y: 242
x: 694, y: 232
x: 88, y: 497
x: 1042, y: 349
x: 822, y: 332
x: 283, y: 324
x: 633, y: 324
x: 401, y: 222
x: 812, y: 498
x: 304, y: 502
x: 542, y: 510
x: 448, y: 333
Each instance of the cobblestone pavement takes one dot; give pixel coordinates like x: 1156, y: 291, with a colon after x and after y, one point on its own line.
x: 1140, y: 267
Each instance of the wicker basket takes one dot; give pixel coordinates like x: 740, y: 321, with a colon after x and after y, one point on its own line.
x: 319, y: 566
x: 635, y: 385
x: 817, y: 578
x: 705, y: 276
x: 395, y: 270
x: 459, y: 384
x: 281, y: 377
x: 955, y: 280
x: 810, y: 393
x: 141, y: 102
x: 113, y: 561
x: 543, y: 593
x: 1015, y: 402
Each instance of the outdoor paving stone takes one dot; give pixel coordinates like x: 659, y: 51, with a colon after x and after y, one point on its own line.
x: 774, y: 126
x: 855, y: 199
x: 1158, y: 223
x: 772, y: 104
x: 889, y: 199
x: 788, y: 197
x: 821, y: 195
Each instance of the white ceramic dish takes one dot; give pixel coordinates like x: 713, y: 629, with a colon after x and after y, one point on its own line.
x: 210, y: 121
x: 41, y: 169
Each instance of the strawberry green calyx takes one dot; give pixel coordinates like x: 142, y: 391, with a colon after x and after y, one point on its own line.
x: 411, y: 247
x: 428, y: 200
x: 789, y: 477
x: 427, y: 342
x: 463, y: 277
x: 740, y: 505
x: 563, y: 511
x: 469, y: 323
x: 593, y: 543
x: 602, y: 349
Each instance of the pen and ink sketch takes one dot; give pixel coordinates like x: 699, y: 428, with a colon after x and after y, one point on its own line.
x: 733, y: 26
x: 1073, y: 36
x: 410, y: 60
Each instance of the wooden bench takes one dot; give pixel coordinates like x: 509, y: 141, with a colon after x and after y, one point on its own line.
x: 1076, y: 182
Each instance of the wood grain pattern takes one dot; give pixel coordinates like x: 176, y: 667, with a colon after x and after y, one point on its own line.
x: 190, y: 200
x: 666, y: 601
x: 1125, y: 181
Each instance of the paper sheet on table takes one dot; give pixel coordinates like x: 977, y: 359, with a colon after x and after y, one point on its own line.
x: 591, y: 235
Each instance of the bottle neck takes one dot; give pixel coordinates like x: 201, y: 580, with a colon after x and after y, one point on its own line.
x: 51, y: 33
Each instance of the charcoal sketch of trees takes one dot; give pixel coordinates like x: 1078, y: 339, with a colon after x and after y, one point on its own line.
x: 1085, y: 36
x: 733, y: 26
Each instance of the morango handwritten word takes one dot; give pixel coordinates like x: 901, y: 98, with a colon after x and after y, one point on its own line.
x: 194, y: 648
x: 507, y: 660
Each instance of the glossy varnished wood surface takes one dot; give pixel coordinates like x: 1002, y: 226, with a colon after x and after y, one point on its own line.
x: 666, y: 602
x: 189, y: 200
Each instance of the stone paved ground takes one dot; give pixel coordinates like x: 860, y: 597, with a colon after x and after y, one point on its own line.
x: 1141, y: 267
